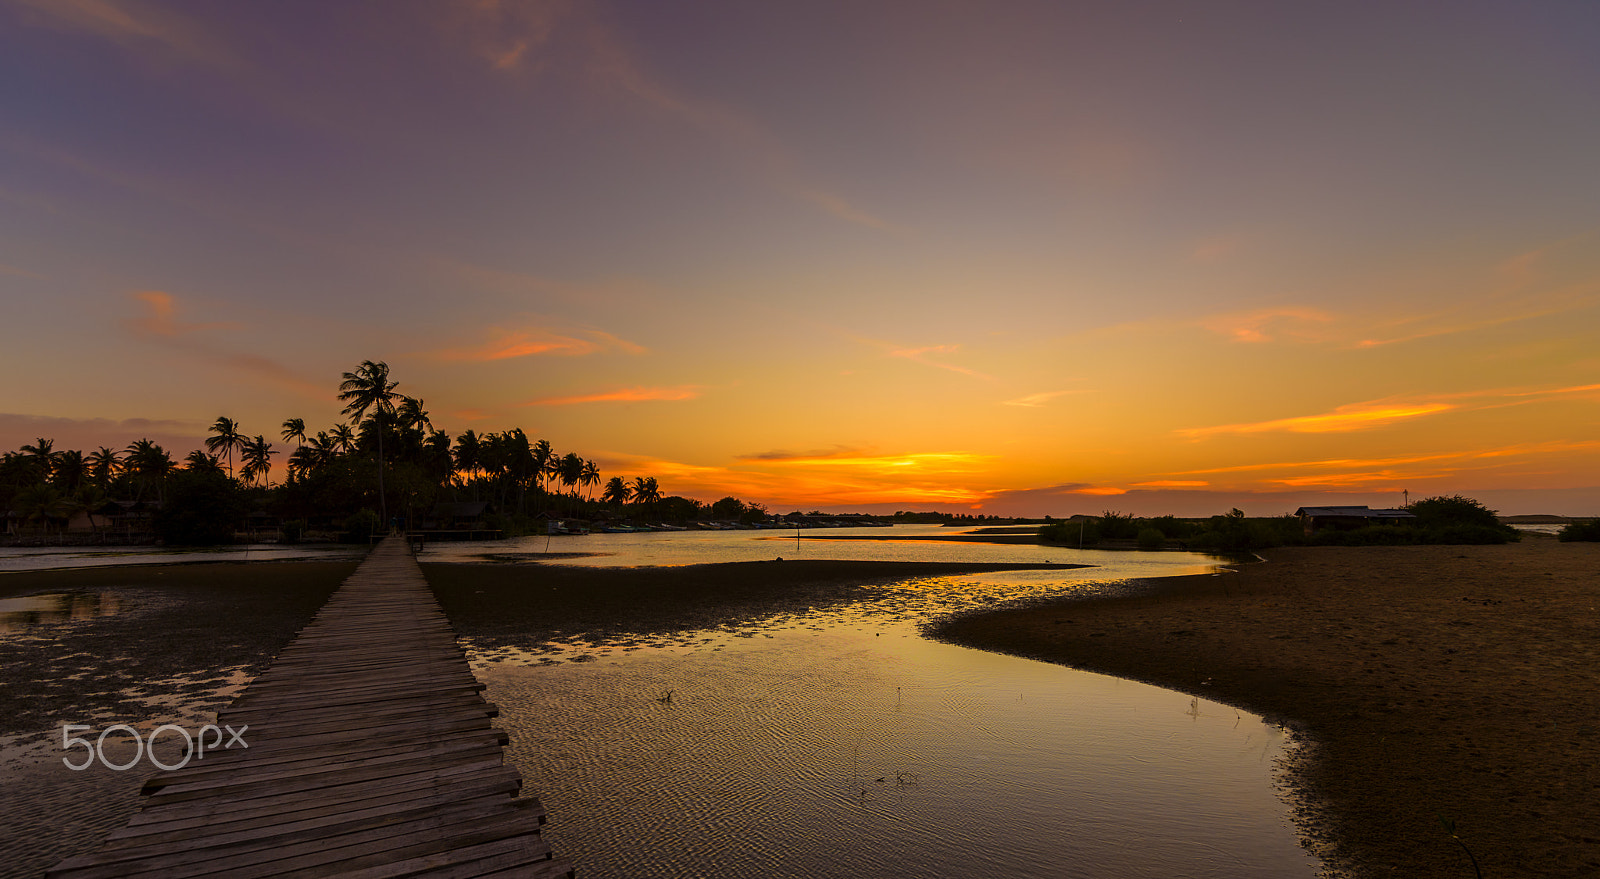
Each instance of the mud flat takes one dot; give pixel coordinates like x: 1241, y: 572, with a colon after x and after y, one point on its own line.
x: 1423, y: 682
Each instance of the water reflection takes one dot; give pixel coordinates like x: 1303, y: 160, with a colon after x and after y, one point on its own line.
x: 26, y: 612
x: 840, y: 742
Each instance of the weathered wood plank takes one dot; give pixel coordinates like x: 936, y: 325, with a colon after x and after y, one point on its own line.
x: 369, y: 753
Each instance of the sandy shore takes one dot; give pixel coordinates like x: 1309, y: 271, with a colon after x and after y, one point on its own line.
x: 1434, y: 681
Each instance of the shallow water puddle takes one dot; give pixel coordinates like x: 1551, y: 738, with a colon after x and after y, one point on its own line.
x: 843, y: 743
x: 25, y: 612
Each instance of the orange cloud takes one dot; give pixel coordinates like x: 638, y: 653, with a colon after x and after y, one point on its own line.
x: 160, y: 323
x: 920, y: 355
x: 1291, y: 323
x: 1037, y: 400
x: 625, y: 395
x: 1172, y: 483
x: 505, y: 344
x: 129, y: 23
x: 160, y: 316
x: 1357, y: 416
x: 844, y: 456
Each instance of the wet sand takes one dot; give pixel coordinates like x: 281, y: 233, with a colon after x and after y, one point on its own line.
x: 1454, y: 681
x: 142, y: 645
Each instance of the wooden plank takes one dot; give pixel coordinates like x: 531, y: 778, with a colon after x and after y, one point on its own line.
x: 369, y: 752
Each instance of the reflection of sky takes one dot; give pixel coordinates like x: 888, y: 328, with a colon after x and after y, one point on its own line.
x: 695, y: 548
x: 1051, y: 259
x: 840, y: 742
x: 41, y: 559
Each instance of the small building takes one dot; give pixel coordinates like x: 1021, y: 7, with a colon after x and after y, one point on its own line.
x: 1316, y: 519
x: 456, y: 516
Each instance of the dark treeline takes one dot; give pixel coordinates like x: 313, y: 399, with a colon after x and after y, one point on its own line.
x: 1448, y: 520
x: 386, y: 463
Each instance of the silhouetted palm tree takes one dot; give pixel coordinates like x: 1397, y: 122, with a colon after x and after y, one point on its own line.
x: 617, y: 491
x: 257, y: 459
x: 71, y: 471
x: 104, y: 465
x: 411, y: 414
x: 467, y: 454
x: 294, y: 430
x: 590, y: 478
x: 42, y: 458
x: 646, y: 492
x: 343, y: 439
x: 150, y: 465
x: 200, y: 462
x: 367, y: 388
x: 226, y: 440
x: 570, y: 470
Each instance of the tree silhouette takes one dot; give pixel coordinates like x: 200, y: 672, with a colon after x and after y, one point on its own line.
x: 104, y: 465
x: 294, y: 430
x: 226, y: 440
x: 617, y: 491
x: 257, y: 459
x: 367, y: 388
x: 590, y: 478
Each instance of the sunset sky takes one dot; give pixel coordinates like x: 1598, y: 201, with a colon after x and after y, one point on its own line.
x: 1014, y: 258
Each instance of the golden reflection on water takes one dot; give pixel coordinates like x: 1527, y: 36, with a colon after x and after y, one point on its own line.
x: 29, y: 611
x: 841, y: 742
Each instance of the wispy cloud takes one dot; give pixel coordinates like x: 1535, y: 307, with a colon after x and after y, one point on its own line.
x: 1284, y: 323
x: 132, y: 24
x: 20, y: 273
x: 158, y: 321
x: 1037, y: 400
x: 508, y: 343
x: 844, y: 456
x: 1382, y: 413
x: 1356, y: 416
x: 923, y: 356
x: 624, y: 395
x: 1172, y: 483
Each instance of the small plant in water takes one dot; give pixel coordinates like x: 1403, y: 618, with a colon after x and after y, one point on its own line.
x: 666, y: 698
x: 1450, y: 828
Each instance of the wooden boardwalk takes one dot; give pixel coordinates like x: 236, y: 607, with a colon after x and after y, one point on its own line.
x: 370, y: 755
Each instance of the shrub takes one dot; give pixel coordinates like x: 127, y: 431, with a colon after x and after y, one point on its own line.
x: 360, y: 527
x: 1438, y: 512
x: 293, y: 530
x: 201, y: 509
x: 1118, y: 526
x: 1172, y: 527
x: 1151, y: 538
x: 1071, y: 533
x: 1586, y: 531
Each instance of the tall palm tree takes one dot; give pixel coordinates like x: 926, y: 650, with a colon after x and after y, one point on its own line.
x: 617, y: 491
x: 257, y: 458
x: 542, y: 456
x: 646, y: 492
x: 226, y: 440
x: 570, y: 471
x: 590, y: 478
x: 104, y: 464
x: 71, y: 472
x: 367, y: 388
x: 343, y: 439
x: 42, y: 458
x: 411, y: 414
x: 467, y: 452
x: 294, y: 429
x: 149, y: 463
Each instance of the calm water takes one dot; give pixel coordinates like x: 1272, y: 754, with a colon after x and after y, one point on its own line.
x: 841, y: 742
x: 41, y: 558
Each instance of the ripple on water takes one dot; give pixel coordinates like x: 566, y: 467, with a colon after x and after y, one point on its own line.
x: 842, y: 743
